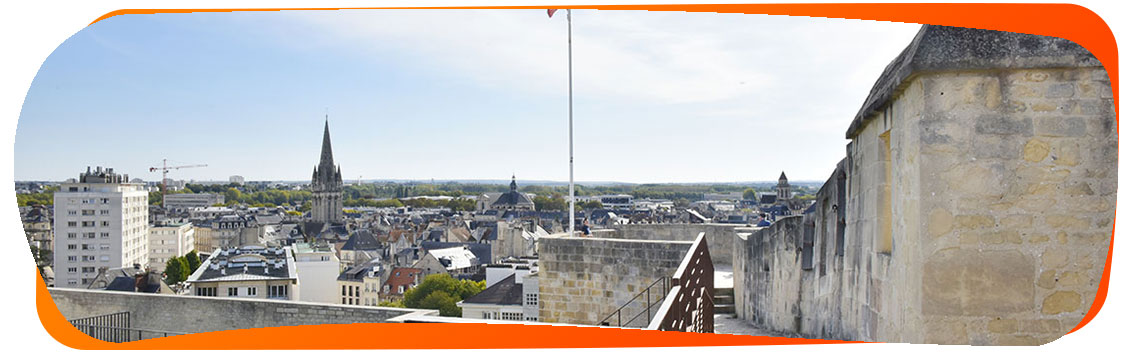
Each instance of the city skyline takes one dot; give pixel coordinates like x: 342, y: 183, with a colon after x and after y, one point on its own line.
x: 660, y: 97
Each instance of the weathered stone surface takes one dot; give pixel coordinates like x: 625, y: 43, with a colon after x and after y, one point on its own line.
x: 971, y: 282
x: 1005, y: 326
x: 1036, y: 150
x: 1060, y: 127
x: 1047, y: 279
x: 1003, y: 125
x: 940, y: 222
x: 1062, y: 302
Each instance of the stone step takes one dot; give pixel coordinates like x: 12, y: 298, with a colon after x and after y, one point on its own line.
x: 723, y: 291
x: 724, y: 309
x: 723, y: 299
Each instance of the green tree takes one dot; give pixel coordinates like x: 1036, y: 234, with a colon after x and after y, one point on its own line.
x: 176, y: 270
x: 441, y: 292
x: 193, y: 261
x: 749, y: 194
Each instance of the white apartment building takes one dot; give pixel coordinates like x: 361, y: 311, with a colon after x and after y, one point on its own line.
x: 101, y: 221
x: 169, y: 240
x: 318, y: 268
x: 181, y: 202
x: 250, y: 271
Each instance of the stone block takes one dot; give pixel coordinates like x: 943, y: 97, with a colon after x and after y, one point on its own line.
x: 979, y: 283
x: 1002, y: 326
x: 1060, y: 127
x: 1061, y: 90
x: 946, y: 332
x: 1055, y: 257
x: 975, y: 221
x: 940, y: 222
x: 1061, y: 302
x: 1066, y: 222
x: 1047, y: 279
x: 1003, y: 125
x: 1036, y: 150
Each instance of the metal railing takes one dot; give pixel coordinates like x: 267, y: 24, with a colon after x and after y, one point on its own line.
x: 689, y: 306
x: 116, y: 328
x: 660, y: 287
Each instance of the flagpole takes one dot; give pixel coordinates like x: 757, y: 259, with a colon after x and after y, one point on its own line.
x: 572, y: 198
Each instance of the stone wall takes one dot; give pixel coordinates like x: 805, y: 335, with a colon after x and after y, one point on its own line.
x: 975, y: 204
x: 190, y: 314
x: 718, y: 236
x: 582, y: 280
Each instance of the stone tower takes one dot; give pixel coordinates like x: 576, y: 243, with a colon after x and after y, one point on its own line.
x: 784, y: 190
x: 326, y: 185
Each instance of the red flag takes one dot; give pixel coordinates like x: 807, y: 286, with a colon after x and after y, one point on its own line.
x: 551, y: 11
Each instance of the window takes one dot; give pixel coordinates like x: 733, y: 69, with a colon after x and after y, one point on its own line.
x: 233, y: 291
x: 89, y: 235
x: 71, y: 235
x: 72, y: 258
x: 88, y: 212
x: 72, y: 269
x: 277, y: 291
x: 88, y: 224
x: 105, y: 212
x: 511, y: 316
x: 250, y: 290
x: 72, y: 223
x: 486, y: 315
x: 342, y: 300
x: 343, y: 293
x: 206, y: 291
x: 72, y: 247
x: 72, y: 212
x: 104, y: 258
x: 531, y: 299
x: 105, y: 223
x: 400, y: 289
x: 72, y: 282
x: 88, y: 270
x: 105, y: 234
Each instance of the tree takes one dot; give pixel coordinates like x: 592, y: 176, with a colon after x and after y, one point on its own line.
x: 749, y: 194
x: 193, y: 261
x: 176, y: 270
x: 441, y: 292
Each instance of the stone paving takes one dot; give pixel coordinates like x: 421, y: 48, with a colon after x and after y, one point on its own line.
x: 728, y: 324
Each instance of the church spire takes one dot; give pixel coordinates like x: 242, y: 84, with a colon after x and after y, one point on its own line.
x: 327, y: 160
x: 513, y: 183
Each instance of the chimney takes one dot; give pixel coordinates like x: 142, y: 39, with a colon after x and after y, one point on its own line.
x: 140, y: 280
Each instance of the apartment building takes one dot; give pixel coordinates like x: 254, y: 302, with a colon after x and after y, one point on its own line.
x: 101, y: 222
x: 169, y: 240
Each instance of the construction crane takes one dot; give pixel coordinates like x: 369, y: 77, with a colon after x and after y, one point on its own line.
x: 165, y: 168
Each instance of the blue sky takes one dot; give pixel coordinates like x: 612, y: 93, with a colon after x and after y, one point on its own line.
x: 446, y: 94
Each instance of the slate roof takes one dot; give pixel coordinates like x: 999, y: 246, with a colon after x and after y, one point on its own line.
x: 504, y: 292
x: 481, y: 251
x: 768, y: 198
x: 362, y: 240
x: 455, y: 257
x: 246, y: 263
x: 358, y: 273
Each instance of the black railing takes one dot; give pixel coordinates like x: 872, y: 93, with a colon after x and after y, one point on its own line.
x: 650, y: 299
x: 116, y: 328
x: 689, y: 306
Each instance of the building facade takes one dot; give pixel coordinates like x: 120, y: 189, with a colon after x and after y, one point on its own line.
x: 102, y: 222
x: 326, y: 185
x: 169, y: 240
x: 180, y: 202
x: 251, y: 271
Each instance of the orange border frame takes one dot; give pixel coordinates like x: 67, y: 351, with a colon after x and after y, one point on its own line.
x: 1072, y: 22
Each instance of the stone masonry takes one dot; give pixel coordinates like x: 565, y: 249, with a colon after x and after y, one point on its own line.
x: 584, y: 279
x: 190, y: 314
x: 975, y: 204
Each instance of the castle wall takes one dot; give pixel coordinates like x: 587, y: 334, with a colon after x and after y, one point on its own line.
x: 977, y: 198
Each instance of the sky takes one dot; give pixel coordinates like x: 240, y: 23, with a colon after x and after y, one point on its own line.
x: 658, y: 97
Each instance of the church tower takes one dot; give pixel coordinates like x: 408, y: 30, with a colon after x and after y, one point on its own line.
x: 326, y: 185
x: 784, y: 190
